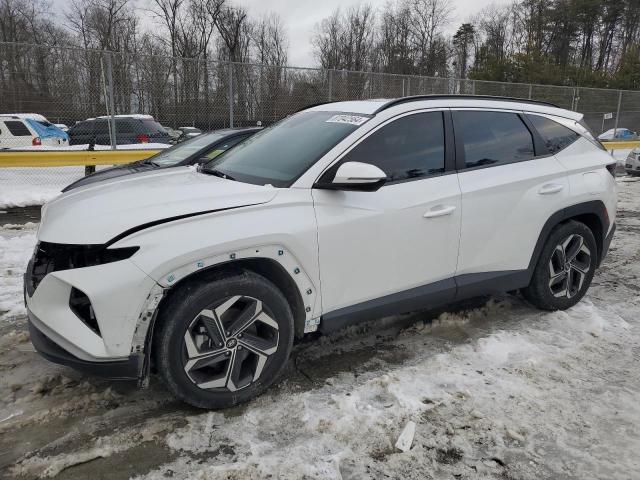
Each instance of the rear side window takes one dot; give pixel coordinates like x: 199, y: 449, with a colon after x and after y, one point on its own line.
x: 150, y: 126
x: 407, y: 148
x: 17, y: 128
x: 492, y: 138
x: 556, y: 137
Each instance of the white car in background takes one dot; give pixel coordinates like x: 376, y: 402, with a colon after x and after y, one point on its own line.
x: 62, y: 126
x: 618, y: 135
x: 189, y: 132
x: 18, y: 131
x: 632, y: 163
x: 338, y: 214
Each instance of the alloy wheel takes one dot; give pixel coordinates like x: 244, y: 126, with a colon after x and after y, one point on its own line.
x: 227, y: 346
x: 568, y: 266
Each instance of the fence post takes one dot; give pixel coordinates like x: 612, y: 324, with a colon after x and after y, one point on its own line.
x: 330, y: 73
x: 112, y: 122
x: 473, y: 87
x: 530, y: 91
x: 615, y: 127
x: 230, y: 95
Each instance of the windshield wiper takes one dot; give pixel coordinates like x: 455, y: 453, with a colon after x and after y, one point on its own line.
x: 216, y: 173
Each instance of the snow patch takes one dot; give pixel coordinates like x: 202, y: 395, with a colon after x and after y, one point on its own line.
x: 15, y: 252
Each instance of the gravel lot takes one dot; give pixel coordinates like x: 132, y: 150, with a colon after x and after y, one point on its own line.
x: 497, y: 390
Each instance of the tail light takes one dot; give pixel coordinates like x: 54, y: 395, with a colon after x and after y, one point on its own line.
x: 612, y: 169
x: 143, y: 138
x: 36, y: 141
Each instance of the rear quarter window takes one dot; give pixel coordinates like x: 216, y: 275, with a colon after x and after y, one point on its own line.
x: 556, y: 137
x: 17, y: 128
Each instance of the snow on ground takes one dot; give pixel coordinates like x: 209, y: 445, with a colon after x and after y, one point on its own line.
x: 496, y: 389
x: 16, y: 247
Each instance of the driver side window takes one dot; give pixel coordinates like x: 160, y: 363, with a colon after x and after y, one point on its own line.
x: 411, y: 147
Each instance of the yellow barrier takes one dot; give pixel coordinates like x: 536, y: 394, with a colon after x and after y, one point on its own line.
x: 80, y: 158
x: 71, y: 158
x: 620, y: 145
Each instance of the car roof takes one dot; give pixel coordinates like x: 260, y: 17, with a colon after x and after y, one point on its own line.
x: 371, y: 107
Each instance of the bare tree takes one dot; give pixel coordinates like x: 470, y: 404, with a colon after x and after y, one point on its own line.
x: 428, y: 19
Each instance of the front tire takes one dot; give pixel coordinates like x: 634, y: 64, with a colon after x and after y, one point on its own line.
x: 565, y: 268
x: 223, y: 342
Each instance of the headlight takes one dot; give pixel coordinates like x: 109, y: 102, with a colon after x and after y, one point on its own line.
x: 53, y: 257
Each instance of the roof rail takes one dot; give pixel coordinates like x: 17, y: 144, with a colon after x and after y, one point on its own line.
x: 413, y: 98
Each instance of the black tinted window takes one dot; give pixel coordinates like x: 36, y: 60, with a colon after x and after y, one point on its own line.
x: 410, y: 147
x: 101, y: 127
x: 126, y: 125
x: 82, y: 128
x: 493, y: 138
x: 555, y: 136
x: 17, y: 128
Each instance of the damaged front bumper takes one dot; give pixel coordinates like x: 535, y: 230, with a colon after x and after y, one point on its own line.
x: 126, y: 369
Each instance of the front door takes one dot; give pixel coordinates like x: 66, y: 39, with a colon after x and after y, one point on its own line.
x: 386, y: 251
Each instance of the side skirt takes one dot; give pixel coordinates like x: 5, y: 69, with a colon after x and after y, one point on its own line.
x: 425, y: 297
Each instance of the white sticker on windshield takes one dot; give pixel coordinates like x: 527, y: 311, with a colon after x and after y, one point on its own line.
x: 350, y: 119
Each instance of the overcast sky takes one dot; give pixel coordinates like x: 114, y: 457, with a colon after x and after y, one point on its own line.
x: 300, y: 16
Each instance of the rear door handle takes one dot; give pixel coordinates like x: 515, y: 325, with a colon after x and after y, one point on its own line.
x: 550, y: 188
x: 440, y: 211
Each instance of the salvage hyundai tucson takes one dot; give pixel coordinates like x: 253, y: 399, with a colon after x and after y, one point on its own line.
x: 338, y: 214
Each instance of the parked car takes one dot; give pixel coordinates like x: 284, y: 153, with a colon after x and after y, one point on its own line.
x: 173, y: 133
x: 632, y: 163
x: 62, y: 127
x: 341, y: 213
x: 130, y: 129
x: 16, y: 132
x: 188, y: 132
x: 618, y: 134
x: 195, y: 151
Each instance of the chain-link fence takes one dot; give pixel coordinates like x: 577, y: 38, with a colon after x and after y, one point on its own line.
x: 104, y: 99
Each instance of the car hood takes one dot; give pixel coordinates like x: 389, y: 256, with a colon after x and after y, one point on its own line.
x: 100, y: 212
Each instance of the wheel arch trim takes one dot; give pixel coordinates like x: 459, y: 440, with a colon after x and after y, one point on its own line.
x: 594, y: 208
x: 245, y: 259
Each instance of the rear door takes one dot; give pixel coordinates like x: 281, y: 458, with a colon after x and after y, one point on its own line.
x: 510, y: 186
x: 390, y: 248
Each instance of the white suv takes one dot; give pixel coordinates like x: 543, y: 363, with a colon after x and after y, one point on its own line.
x: 340, y: 213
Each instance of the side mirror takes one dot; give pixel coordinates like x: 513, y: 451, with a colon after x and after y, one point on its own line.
x: 355, y: 176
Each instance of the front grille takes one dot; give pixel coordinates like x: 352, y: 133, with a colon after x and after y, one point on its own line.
x: 53, y: 257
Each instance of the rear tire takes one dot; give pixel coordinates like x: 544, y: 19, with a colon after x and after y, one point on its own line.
x: 565, y: 268
x: 223, y: 342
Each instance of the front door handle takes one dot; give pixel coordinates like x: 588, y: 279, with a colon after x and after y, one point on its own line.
x: 440, y: 211
x: 550, y: 188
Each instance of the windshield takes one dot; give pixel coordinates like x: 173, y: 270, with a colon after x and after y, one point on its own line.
x: 278, y: 155
x: 184, y: 150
